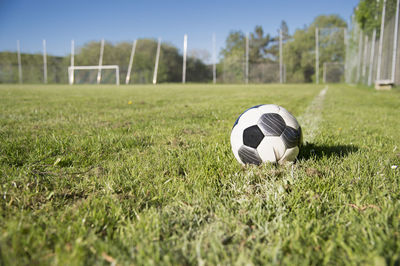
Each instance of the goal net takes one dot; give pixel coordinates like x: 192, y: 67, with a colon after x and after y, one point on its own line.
x: 234, y: 71
x: 93, y: 74
x: 333, y: 72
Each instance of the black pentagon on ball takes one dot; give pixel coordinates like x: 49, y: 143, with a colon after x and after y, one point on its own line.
x: 252, y: 136
x: 271, y: 124
x: 291, y: 137
x: 249, y: 155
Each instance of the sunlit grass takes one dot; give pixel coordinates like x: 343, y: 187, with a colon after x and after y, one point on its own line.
x: 145, y: 174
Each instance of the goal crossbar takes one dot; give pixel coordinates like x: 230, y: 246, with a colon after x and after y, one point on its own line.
x: 71, y: 70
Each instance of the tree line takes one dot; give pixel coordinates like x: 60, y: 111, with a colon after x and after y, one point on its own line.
x: 368, y: 14
x: 298, y: 51
x: 169, y: 69
x: 32, y: 68
x: 263, y: 55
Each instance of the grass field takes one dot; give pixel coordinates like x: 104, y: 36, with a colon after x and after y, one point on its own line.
x: 145, y: 175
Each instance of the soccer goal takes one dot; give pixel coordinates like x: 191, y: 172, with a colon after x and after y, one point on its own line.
x: 72, y: 69
x: 333, y: 72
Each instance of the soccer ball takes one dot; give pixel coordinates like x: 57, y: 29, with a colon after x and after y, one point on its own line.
x: 266, y: 133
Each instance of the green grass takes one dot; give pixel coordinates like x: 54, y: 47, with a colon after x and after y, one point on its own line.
x: 87, y: 178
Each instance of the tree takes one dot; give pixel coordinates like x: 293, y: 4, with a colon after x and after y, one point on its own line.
x: 258, y: 45
x: 285, y: 30
x: 274, y: 47
x: 231, y: 65
x: 169, y: 69
x: 299, y: 53
x: 259, y: 51
x: 235, y: 45
x: 368, y: 14
x: 32, y: 68
x: 233, y: 55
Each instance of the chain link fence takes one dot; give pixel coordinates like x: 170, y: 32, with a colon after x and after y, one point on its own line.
x: 234, y: 71
x: 373, y: 56
x: 332, y: 55
x: 32, y: 69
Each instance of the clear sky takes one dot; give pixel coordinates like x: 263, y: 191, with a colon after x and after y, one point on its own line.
x: 59, y: 21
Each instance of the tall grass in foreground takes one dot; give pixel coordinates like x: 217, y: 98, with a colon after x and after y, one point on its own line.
x: 145, y: 175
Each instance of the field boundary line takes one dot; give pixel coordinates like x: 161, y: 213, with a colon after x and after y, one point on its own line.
x: 275, y: 190
x: 310, y: 119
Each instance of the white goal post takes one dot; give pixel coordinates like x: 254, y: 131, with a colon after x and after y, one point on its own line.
x: 71, y: 71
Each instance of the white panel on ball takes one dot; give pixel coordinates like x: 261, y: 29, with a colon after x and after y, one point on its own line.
x: 271, y: 149
x: 290, y: 155
x: 290, y: 120
x: 268, y: 108
x: 237, y: 139
x: 250, y: 117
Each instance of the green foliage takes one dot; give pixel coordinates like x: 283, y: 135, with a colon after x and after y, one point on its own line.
x: 258, y: 48
x: 274, y: 45
x: 88, y: 179
x: 231, y: 65
x: 170, y: 64
x: 32, y: 68
x: 299, y: 56
x: 369, y: 12
x: 262, y: 49
x: 299, y: 52
x: 299, y: 49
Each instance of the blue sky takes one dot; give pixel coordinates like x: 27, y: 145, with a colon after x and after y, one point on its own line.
x: 59, y: 21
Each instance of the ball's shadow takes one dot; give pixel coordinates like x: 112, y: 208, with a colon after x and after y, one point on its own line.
x: 310, y: 150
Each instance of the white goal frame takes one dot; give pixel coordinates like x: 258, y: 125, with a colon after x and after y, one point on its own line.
x: 71, y: 71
